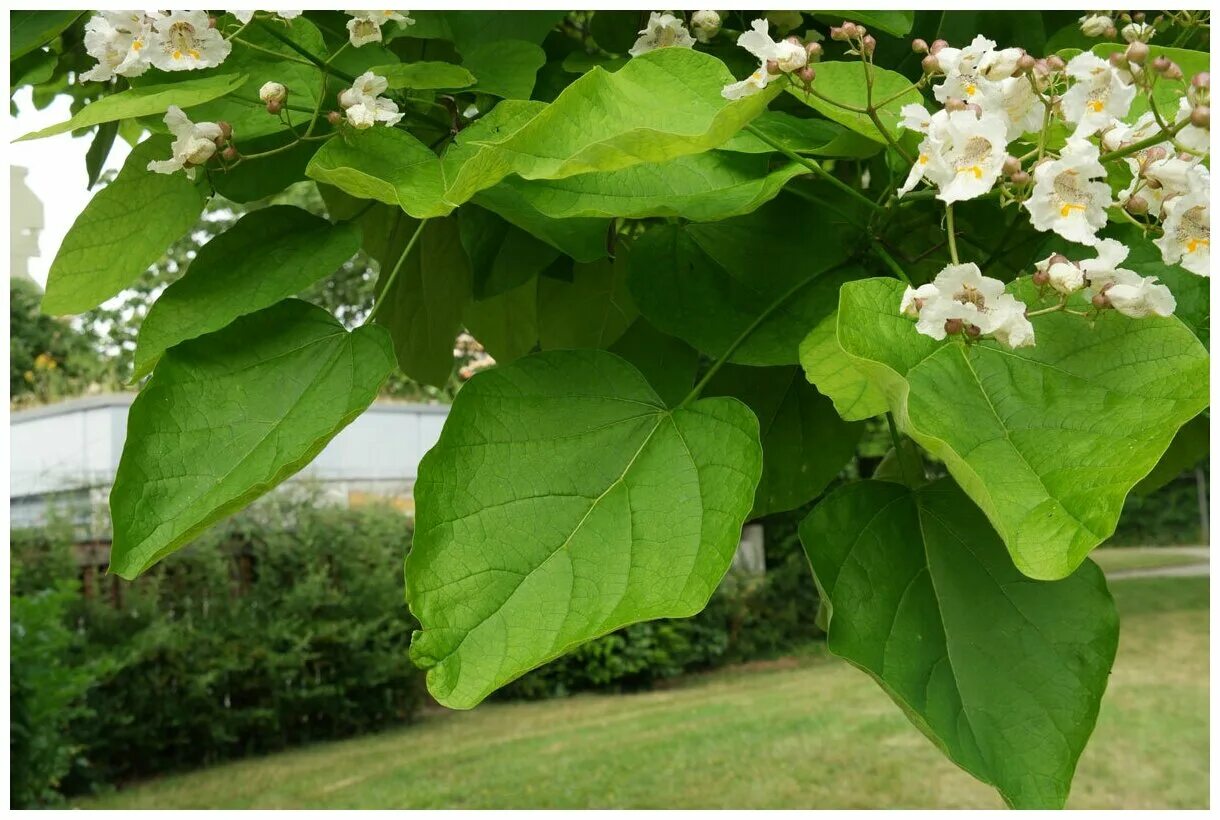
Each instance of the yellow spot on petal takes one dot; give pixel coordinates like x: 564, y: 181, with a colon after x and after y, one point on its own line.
x: 1193, y: 244
x: 970, y: 89
x: 137, y: 44
x: 1067, y: 209
x: 177, y: 55
x: 195, y: 54
x: 1097, y: 105
x: 923, y: 159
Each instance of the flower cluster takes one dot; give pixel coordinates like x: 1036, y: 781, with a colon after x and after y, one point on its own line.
x: 365, y: 26
x: 126, y: 43
x: 664, y: 31
x: 194, y: 143
x: 364, y: 107
x: 776, y: 59
x: 960, y: 300
x: 1108, y: 285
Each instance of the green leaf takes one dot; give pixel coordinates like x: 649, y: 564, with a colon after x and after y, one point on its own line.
x: 706, y: 284
x: 1004, y: 674
x: 144, y: 101
x: 256, y: 180
x: 28, y: 30
x: 506, y: 324
x: 805, y: 443
x: 593, y: 310
x: 667, y: 105
x: 470, y: 28
x: 502, y: 256
x: 1022, y: 430
x: 701, y: 187
x: 268, y: 255
x: 425, y: 76
x: 585, y: 239
x: 844, y: 83
x: 836, y: 375
x: 903, y: 465
x: 616, y: 31
x: 667, y: 362
x: 897, y: 23
x: 1188, y: 448
x: 424, y: 304
x: 505, y: 68
x: 802, y: 135
x: 564, y: 501
x: 230, y: 415
x: 99, y: 150
x: 125, y: 228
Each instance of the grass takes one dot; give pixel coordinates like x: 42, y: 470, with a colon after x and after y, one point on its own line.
x: 1114, y: 559
x: 806, y: 732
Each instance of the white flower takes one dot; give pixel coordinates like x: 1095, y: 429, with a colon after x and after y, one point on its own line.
x: 915, y: 117
x: 362, y: 105
x: 962, y: 155
x: 1023, y: 109
x: 194, y: 143
x: 184, y: 40
x: 118, y: 41
x: 788, y: 56
x: 1104, y: 269
x: 662, y: 31
x: 1010, y: 325
x: 1143, y: 32
x: 1139, y: 296
x: 1192, y: 136
x: 1098, y: 97
x: 1067, y: 199
x: 706, y: 25
x: 1187, y: 226
x: 365, y: 26
x: 1095, y: 25
x: 1064, y: 277
x: 244, y: 17
x: 962, y: 293
x: 961, y: 68
x: 999, y: 65
x: 273, y: 92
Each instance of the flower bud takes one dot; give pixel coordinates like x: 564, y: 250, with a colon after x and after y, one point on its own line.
x: 772, y: 67
x: 1174, y: 72
x: 937, y: 45
x: 275, y: 107
x: 273, y: 91
x: 953, y: 326
x: 1095, y: 25
x: 1111, y: 33
x: 1118, y: 59
x: 837, y: 33
x: 1041, y: 277
x: 869, y: 44
x: 794, y: 40
x: 919, y: 46
x: 1201, y: 116
x: 930, y: 64
x: 1138, y: 16
x: 1160, y: 64
x: 334, y: 117
x: 814, y: 50
x: 1100, y: 301
x: 1011, y: 165
x: 806, y: 75
x: 1055, y: 63
x: 1137, y: 52
x: 226, y: 131
x: 211, y: 22
x: 1020, y: 178
x: 852, y: 31
x: 955, y: 104
x: 1136, y: 205
x: 229, y: 154
x: 1201, y: 80
x: 973, y: 331
x: 1026, y: 63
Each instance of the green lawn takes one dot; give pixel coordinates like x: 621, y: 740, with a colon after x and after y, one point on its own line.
x: 1113, y: 559
x: 809, y: 732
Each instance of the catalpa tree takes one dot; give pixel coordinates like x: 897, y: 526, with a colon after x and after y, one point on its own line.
x: 702, y: 249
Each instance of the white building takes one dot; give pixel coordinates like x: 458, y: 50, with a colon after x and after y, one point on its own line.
x: 65, y: 456
x: 25, y: 223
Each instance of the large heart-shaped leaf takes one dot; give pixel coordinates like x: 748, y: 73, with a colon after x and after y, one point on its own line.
x: 1003, y: 673
x: 125, y: 228
x: 269, y: 255
x: 835, y: 373
x: 706, y: 284
x: 701, y: 187
x: 230, y: 415
x: 141, y: 102
x: 565, y: 500
x: 805, y: 443
x: 1048, y: 440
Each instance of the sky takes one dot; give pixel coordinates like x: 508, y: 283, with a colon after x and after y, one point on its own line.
x: 57, y: 173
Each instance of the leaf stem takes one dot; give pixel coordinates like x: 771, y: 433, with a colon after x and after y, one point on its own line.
x: 815, y: 167
x: 389, y: 282
x: 888, y: 260
x: 308, y: 55
x: 949, y: 228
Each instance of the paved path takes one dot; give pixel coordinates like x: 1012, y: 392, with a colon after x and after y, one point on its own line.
x: 1178, y: 570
